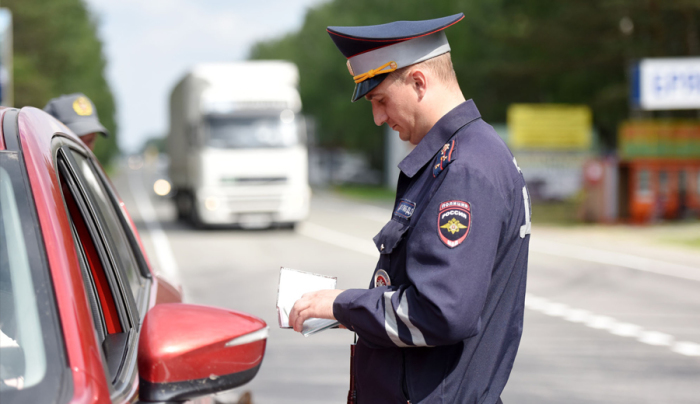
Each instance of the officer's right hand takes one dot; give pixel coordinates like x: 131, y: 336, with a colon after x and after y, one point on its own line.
x: 318, y: 304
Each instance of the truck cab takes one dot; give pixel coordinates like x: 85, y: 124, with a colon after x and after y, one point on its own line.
x: 237, y: 145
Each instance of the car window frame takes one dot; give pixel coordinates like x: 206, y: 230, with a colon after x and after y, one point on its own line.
x: 141, y: 262
x: 90, y: 287
x: 121, y: 383
x: 99, y: 241
x: 60, y: 386
x: 113, y: 239
x: 97, y: 251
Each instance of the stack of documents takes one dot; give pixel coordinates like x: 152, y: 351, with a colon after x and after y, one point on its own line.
x: 293, y: 284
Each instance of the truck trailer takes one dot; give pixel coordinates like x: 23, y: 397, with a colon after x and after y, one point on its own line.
x: 237, y: 145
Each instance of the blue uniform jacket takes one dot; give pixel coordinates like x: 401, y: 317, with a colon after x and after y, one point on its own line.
x: 442, y: 319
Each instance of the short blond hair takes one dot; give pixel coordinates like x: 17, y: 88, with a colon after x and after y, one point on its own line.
x: 441, y: 66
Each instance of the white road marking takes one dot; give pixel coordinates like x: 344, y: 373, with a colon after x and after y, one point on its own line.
x: 337, y: 238
x: 686, y: 348
x: 544, y: 305
x: 626, y: 330
x: 611, y: 325
x: 656, y: 338
x: 164, y: 253
x: 556, y: 310
x: 578, y: 316
x: 375, y: 213
x: 601, y: 322
x: 614, y: 258
x: 578, y: 252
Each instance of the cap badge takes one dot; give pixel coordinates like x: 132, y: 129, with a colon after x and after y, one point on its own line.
x: 82, y: 106
x: 385, y: 68
x: 454, y: 221
x: 381, y: 278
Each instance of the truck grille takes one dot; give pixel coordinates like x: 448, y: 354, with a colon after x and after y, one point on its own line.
x: 254, y: 203
x: 254, y: 180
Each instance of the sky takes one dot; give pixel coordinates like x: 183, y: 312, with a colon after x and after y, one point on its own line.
x: 150, y: 45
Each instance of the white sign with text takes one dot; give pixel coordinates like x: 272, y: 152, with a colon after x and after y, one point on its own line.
x: 668, y: 83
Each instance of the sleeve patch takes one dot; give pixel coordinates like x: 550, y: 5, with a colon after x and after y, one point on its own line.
x: 405, y: 209
x: 454, y: 221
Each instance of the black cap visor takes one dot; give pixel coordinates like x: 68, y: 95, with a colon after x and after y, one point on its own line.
x: 83, y: 127
x: 361, y: 89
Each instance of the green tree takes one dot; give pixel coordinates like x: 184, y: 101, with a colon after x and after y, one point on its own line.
x: 504, y: 52
x: 56, y: 51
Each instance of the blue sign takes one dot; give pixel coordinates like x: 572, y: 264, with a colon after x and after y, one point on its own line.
x: 666, y: 83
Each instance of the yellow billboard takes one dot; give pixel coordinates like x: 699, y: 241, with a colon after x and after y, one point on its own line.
x: 550, y: 126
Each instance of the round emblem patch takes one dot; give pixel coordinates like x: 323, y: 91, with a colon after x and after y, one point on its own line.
x: 454, y: 220
x: 82, y: 106
x: 381, y: 278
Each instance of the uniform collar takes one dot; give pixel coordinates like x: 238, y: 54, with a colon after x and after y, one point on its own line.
x: 437, y: 136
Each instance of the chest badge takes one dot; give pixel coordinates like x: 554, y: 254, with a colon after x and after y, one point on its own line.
x: 381, y: 278
x: 454, y: 221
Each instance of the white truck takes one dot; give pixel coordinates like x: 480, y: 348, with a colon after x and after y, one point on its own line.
x: 237, y: 145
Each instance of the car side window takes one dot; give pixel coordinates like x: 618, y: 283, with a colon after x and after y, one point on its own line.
x: 109, y: 290
x: 111, y: 315
x: 127, y: 262
x: 100, y: 297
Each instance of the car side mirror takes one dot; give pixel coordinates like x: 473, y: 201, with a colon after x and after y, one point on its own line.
x: 186, y: 351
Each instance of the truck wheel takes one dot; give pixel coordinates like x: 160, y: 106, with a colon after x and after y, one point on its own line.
x: 287, y: 226
x: 182, y: 202
x: 193, y: 216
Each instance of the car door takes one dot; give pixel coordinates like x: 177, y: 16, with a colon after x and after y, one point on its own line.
x: 115, y: 274
x: 33, y: 362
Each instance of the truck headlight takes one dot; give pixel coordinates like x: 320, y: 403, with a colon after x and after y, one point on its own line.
x: 211, y: 203
x: 161, y: 187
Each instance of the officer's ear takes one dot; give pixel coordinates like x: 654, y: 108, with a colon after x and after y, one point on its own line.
x: 419, y: 82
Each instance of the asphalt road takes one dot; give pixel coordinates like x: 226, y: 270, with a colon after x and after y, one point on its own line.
x: 608, y: 320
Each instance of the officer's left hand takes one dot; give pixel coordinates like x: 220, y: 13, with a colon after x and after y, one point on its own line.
x: 317, y: 304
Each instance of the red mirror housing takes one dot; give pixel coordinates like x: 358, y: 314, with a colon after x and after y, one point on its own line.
x: 186, y: 351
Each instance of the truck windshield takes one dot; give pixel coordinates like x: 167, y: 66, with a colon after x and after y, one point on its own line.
x: 251, y: 132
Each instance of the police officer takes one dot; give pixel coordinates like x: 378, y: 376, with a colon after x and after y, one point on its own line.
x: 78, y: 113
x: 442, y: 318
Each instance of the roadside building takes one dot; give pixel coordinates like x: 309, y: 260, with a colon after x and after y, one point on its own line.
x: 659, y: 170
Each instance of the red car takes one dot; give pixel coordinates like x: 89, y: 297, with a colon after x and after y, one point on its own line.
x: 83, y: 319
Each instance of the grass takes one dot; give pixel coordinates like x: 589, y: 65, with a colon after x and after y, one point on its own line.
x: 556, y: 213
x: 551, y: 213
x: 693, y: 242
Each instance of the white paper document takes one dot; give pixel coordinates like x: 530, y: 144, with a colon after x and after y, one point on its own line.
x: 292, y: 285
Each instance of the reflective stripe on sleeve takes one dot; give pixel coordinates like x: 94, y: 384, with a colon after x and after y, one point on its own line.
x: 416, y: 335
x: 390, y: 325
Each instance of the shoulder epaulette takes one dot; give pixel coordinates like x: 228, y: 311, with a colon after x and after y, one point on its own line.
x: 444, y: 158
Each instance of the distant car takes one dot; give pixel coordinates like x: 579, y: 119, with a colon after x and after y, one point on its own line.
x: 83, y: 319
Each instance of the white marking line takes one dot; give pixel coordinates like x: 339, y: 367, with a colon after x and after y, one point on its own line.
x: 337, y: 238
x: 532, y: 302
x: 164, y: 253
x: 371, y: 212
x: 615, y: 258
x: 686, y: 348
x: 611, y: 325
x: 578, y: 252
